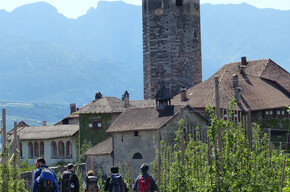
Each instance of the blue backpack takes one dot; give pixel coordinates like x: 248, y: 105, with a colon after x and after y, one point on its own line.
x: 116, y: 183
x: 46, y: 180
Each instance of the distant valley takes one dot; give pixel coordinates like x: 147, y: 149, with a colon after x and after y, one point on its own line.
x: 48, y: 58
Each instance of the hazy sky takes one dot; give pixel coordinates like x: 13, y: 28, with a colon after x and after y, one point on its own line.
x: 75, y: 8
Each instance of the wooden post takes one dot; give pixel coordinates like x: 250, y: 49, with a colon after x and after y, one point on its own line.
x: 283, y: 173
x: 249, y: 128
x: 217, y: 110
x: 182, y: 147
x: 4, y: 158
x: 18, y: 147
x: 270, y: 145
x: 131, y: 172
x: 14, y: 150
x: 159, y: 156
x: 208, y: 151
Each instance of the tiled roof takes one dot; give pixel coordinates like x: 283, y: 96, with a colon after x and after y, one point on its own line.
x: 138, y: 119
x: 102, y: 148
x: 71, y: 116
x: 112, y: 105
x: 47, y: 132
x: 264, y: 85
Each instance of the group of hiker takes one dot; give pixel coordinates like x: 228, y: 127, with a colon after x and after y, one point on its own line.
x: 45, y: 180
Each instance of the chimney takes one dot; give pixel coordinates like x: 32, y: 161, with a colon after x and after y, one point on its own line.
x: 98, y: 95
x: 125, y: 98
x: 73, y: 108
x: 244, y: 61
x: 238, y: 96
x: 183, y: 96
x: 43, y: 123
x: 235, y: 81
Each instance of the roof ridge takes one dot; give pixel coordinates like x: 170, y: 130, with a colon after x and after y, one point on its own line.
x: 108, y: 103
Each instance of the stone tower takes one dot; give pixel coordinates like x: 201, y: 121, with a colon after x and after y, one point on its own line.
x: 171, y: 45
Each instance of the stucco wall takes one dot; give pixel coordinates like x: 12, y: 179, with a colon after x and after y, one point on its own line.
x: 48, y: 152
x: 126, y: 145
x: 99, y: 163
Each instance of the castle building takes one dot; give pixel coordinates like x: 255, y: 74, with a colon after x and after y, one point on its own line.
x: 171, y: 45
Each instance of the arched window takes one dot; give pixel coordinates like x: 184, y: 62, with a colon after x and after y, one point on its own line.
x: 60, y: 149
x: 20, y: 150
x: 41, y: 149
x: 68, y: 149
x: 137, y: 156
x: 53, y: 150
x: 30, y: 150
x: 36, y: 149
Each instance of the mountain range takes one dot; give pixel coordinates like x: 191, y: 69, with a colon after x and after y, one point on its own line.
x: 46, y: 57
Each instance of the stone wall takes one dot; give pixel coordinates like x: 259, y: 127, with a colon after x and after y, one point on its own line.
x: 28, y: 176
x: 171, y: 45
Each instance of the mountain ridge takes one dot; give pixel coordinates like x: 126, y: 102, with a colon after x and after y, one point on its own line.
x: 102, y: 50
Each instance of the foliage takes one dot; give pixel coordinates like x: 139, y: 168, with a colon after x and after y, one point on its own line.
x: 84, y: 147
x: 238, y: 167
x: 10, y: 175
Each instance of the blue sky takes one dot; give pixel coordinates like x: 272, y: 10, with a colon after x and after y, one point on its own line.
x: 75, y: 8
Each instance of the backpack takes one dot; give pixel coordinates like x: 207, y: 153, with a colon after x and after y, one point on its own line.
x: 143, y: 184
x: 92, y: 184
x: 116, y: 183
x: 46, y: 184
x: 65, y: 181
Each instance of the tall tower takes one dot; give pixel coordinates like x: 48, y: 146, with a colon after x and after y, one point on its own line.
x: 171, y: 45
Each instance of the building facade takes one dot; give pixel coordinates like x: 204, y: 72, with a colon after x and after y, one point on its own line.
x: 171, y: 45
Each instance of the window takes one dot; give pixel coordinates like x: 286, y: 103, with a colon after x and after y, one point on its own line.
x: 68, y: 149
x: 136, y: 133
x: 60, y: 149
x: 53, y: 150
x: 41, y: 145
x: 137, y: 156
x: 30, y: 150
x: 36, y: 149
x: 95, y: 125
x: 179, y: 2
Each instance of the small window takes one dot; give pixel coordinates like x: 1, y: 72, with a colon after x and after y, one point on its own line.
x: 136, y: 133
x: 179, y: 2
x: 95, y: 125
x: 137, y: 156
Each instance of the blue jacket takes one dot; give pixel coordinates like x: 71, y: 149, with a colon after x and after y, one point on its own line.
x: 153, y: 186
x: 38, y: 178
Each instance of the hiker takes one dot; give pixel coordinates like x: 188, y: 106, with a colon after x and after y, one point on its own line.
x: 91, y: 183
x: 45, y: 179
x: 68, y: 180
x: 145, y: 182
x: 115, y: 183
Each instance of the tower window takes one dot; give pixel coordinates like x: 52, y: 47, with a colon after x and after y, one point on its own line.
x: 136, y: 133
x: 179, y: 2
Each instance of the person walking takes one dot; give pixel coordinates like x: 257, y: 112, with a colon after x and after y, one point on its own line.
x: 115, y: 183
x: 68, y: 180
x: 91, y: 183
x: 145, y: 182
x: 45, y: 179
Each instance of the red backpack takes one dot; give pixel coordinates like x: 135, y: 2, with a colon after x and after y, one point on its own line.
x: 143, y: 184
